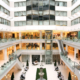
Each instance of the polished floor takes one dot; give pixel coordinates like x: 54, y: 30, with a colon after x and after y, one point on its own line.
x: 51, y: 73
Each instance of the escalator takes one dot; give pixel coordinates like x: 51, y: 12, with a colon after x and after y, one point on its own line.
x: 73, y: 66
x: 61, y: 46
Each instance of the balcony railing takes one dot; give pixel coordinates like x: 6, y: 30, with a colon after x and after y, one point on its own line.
x: 7, y: 40
x: 8, y: 64
x: 70, y: 63
x: 72, y: 39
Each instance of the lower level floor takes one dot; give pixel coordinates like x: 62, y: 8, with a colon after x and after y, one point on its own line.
x: 31, y: 73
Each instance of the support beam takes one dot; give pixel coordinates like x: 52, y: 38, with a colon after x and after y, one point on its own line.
x: 66, y: 47
x: 40, y: 46
x: 30, y: 59
x: 5, y: 54
x: 61, y: 34
x: 20, y: 45
x: 75, y: 51
x: 3, y: 35
x: 14, y: 48
x: 40, y: 34
x: 19, y: 35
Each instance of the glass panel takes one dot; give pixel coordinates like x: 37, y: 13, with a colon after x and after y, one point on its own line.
x: 20, y: 23
x: 60, y: 3
x: 16, y: 4
x: 46, y: 22
x: 35, y: 22
x: 24, y: 13
x: 29, y: 22
x: 24, y: 23
x: 16, y: 14
x: 24, y: 3
x: 52, y: 22
x: 20, y: 4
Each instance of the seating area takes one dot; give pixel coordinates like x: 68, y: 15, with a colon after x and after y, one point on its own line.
x: 22, y: 77
x: 59, y: 75
x: 35, y: 62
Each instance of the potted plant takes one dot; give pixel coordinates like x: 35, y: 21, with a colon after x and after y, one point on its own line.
x: 27, y: 64
x: 12, y: 77
x: 55, y: 63
x: 69, y: 77
x: 31, y: 36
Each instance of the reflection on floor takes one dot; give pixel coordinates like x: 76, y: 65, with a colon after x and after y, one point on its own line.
x: 51, y: 73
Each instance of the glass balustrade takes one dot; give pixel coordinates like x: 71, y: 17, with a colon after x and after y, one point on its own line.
x: 71, y: 63
x: 8, y: 64
x: 7, y: 40
x: 71, y: 39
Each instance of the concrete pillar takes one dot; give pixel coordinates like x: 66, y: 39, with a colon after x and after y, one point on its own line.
x: 3, y: 35
x: 30, y: 59
x: 40, y: 57
x: 19, y: 35
x: 75, y: 51
x: 40, y: 34
x: 5, y: 54
x: 61, y: 34
x: 66, y: 47
x: 40, y: 46
x: 14, y: 48
x: 21, y: 58
x: 20, y: 45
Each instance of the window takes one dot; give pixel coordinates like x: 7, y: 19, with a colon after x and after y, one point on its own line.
x: 60, y: 3
x: 20, y: 13
x: 20, y: 4
x: 61, y: 23
x: 4, y: 21
x: 73, y: 1
x: 7, y: 2
x: 75, y: 10
x: 61, y: 13
x: 20, y: 23
x: 75, y: 21
x: 4, y: 10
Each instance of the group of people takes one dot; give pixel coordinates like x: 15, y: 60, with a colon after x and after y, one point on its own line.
x: 23, y: 74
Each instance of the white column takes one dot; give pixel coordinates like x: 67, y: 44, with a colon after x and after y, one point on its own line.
x: 21, y: 58
x: 5, y: 54
x: 14, y: 48
x: 75, y: 51
x: 66, y: 47
x: 19, y: 35
x: 40, y: 46
x: 30, y: 59
x: 40, y: 57
x: 20, y: 45
x: 3, y: 35
x: 61, y: 35
x: 40, y: 34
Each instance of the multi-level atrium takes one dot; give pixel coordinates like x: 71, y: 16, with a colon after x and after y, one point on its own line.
x: 40, y: 39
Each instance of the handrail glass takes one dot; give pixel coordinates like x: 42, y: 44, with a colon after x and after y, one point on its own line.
x: 71, y: 39
x: 6, y: 66
x: 71, y: 63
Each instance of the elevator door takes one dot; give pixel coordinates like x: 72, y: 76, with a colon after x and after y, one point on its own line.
x: 35, y: 57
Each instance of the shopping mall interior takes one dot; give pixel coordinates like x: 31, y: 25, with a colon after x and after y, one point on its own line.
x: 39, y: 40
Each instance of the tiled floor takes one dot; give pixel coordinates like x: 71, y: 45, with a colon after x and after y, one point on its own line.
x: 51, y: 73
